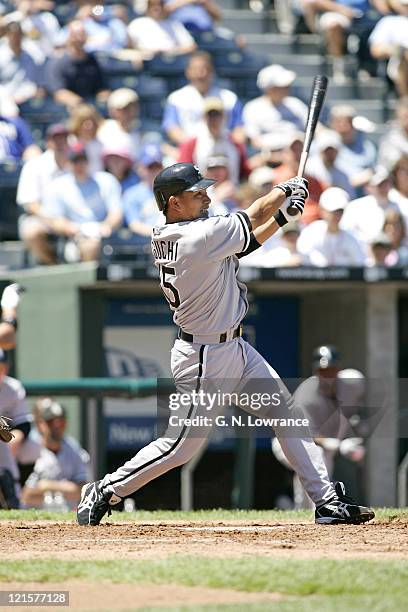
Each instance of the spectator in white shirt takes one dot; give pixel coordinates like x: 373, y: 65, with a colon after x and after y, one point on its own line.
x: 380, y: 249
x: 123, y: 123
x: 222, y: 193
x: 394, y: 143
x: 155, y: 33
x: 399, y: 193
x: 322, y: 165
x: 20, y: 76
x: 262, y: 178
x: 388, y: 41
x: 40, y: 27
x: 281, y: 253
x: 274, y: 113
x: 185, y: 107
x: 35, y: 179
x: 323, y: 242
x: 364, y: 217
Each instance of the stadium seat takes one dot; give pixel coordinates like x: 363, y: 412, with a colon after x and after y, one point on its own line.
x: 241, y: 68
x: 113, y: 66
x: 166, y: 65
x: 9, y: 175
x: 210, y: 41
x: 145, y: 85
x: 40, y: 113
x: 237, y: 63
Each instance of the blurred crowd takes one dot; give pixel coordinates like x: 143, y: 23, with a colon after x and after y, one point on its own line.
x: 88, y: 180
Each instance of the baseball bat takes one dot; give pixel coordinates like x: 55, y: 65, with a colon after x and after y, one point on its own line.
x: 315, y: 106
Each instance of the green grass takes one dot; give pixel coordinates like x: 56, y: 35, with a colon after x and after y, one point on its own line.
x: 328, y: 577
x: 197, y: 515
x: 310, y: 604
x: 305, y: 604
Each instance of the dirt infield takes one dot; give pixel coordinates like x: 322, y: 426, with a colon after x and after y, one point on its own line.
x: 381, y: 539
x: 36, y: 540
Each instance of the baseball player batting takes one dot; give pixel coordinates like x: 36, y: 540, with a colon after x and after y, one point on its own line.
x: 198, y: 259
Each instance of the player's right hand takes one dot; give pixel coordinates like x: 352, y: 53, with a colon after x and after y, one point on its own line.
x: 291, y: 211
x: 296, y: 186
x: 11, y: 297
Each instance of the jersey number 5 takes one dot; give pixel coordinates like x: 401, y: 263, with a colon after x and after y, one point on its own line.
x: 170, y: 292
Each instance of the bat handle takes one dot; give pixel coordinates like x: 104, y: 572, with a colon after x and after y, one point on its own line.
x: 302, y: 163
x: 292, y: 210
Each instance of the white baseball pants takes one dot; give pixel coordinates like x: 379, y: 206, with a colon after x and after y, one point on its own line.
x: 202, y: 368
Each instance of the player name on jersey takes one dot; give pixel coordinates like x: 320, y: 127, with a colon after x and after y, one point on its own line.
x: 165, y: 249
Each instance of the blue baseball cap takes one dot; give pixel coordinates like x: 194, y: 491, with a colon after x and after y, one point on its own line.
x: 151, y: 154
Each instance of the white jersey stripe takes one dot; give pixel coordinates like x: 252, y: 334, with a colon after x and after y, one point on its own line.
x: 246, y: 224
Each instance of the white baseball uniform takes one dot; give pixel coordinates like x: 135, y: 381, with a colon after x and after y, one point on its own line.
x: 198, y: 271
x: 13, y: 405
x: 71, y: 462
x: 328, y: 408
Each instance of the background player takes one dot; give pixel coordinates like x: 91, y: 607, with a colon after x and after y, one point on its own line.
x: 8, y: 323
x: 197, y: 257
x: 13, y: 406
x: 328, y: 398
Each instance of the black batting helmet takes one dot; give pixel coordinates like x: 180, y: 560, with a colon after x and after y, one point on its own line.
x: 175, y: 179
x: 325, y: 356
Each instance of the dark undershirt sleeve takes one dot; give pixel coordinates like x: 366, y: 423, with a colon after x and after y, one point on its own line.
x: 24, y: 427
x: 252, y: 246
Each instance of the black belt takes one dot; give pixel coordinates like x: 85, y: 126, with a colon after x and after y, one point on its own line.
x: 182, y: 335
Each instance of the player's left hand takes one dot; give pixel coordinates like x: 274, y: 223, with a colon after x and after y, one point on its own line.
x: 295, y: 187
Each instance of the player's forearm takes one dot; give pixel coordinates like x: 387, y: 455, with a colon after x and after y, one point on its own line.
x: 265, y: 231
x: 32, y: 497
x: 263, y: 209
x: 67, y: 487
x: 7, y: 335
x: 71, y: 490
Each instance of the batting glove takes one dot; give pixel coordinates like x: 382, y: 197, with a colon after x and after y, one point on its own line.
x: 11, y: 297
x: 292, y: 210
x: 296, y: 186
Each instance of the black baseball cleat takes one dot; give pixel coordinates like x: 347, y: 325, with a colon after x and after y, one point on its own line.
x: 94, y: 504
x: 342, y: 509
